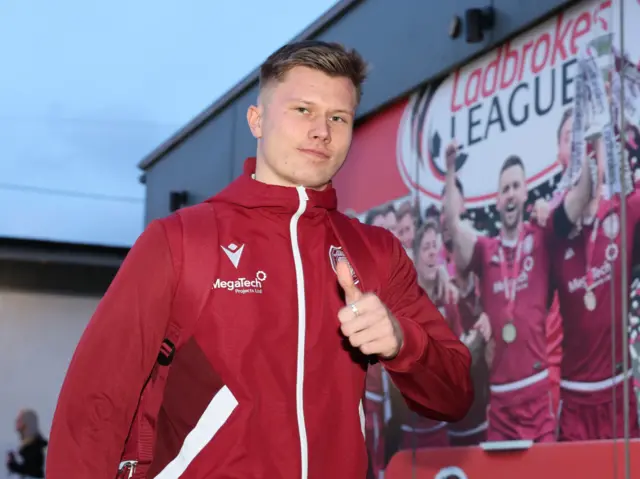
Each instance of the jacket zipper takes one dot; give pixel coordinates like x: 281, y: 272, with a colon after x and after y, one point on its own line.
x: 302, y: 325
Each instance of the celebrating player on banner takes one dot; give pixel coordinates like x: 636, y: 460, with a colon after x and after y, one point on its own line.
x: 515, y: 289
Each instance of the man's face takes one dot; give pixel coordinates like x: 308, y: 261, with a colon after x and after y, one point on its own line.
x: 564, y: 143
x: 405, y: 230
x: 386, y: 221
x: 512, y: 195
x: 426, y: 261
x: 304, y: 125
x: 20, y: 423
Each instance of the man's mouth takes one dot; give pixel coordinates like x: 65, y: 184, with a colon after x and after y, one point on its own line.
x: 322, y: 154
x: 511, y: 207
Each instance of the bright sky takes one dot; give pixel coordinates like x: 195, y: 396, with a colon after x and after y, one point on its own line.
x: 89, y: 88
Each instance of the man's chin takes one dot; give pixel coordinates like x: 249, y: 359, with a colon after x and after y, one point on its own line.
x: 511, y: 225
x: 315, y: 180
x: 431, y: 276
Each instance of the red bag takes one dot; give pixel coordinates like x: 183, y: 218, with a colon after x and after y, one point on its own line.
x: 191, y: 233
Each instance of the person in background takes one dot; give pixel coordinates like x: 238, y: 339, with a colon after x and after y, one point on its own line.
x: 446, y: 252
x: 540, y: 214
x: 416, y: 431
x: 385, y: 217
x: 584, y: 262
x: 474, y: 330
x: 29, y: 462
x: 406, y: 224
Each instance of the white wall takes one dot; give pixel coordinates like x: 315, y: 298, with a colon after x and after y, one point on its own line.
x: 38, y: 334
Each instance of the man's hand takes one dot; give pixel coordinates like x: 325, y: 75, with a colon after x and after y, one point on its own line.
x: 445, y: 289
x: 483, y: 326
x: 489, y: 352
x: 450, y: 155
x: 475, y: 342
x: 540, y: 212
x: 365, y: 321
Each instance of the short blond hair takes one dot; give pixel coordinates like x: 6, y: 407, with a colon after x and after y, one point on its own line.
x: 330, y: 58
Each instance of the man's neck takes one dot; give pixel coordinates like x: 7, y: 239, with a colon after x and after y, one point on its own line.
x: 510, y: 235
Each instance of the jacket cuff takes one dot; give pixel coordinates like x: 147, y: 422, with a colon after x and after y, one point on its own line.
x: 413, y: 347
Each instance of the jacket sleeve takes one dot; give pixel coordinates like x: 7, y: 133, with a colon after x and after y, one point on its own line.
x: 112, y: 361
x: 432, y: 368
x: 32, y: 462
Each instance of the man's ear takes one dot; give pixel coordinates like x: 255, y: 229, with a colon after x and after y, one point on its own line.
x: 254, y: 119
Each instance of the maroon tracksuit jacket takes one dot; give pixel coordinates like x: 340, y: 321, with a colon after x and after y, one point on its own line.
x: 266, y: 387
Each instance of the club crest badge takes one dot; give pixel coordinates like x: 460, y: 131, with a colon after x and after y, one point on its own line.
x: 528, y: 264
x: 336, y: 254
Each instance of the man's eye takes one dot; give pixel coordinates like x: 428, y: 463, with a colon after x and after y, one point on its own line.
x: 338, y: 119
x: 302, y: 109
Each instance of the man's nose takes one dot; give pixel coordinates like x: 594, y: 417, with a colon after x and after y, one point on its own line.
x: 320, y: 130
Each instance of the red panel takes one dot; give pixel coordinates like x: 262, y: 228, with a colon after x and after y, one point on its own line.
x: 593, y: 460
x: 370, y: 175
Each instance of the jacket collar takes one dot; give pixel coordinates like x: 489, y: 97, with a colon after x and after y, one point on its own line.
x: 247, y: 192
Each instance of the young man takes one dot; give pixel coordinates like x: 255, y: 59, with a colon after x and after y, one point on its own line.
x: 513, y: 270
x: 270, y: 383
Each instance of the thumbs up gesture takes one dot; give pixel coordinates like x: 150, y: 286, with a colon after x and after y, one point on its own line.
x: 365, y: 321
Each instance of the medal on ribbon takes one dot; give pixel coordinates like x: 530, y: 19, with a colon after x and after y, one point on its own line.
x: 510, y: 273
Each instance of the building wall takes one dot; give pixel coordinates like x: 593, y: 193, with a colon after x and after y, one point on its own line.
x: 44, y: 308
x: 406, y: 43
x: 38, y: 334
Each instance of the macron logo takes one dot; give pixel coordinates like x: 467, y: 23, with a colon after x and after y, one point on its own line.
x: 569, y: 253
x: 234, y: 253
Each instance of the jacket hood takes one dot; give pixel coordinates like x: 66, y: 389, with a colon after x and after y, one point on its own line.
x: 250, y: 193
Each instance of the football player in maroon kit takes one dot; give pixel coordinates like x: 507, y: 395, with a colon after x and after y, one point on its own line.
x: 541, y: 213
x: 473, y: 428
x: 585, y: 259
x: 513, y: 269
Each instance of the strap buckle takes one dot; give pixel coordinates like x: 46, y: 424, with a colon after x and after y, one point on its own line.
x: 127, y: 466
x: 167, y: 351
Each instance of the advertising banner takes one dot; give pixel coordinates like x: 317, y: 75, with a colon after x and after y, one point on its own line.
x: 511, y: 183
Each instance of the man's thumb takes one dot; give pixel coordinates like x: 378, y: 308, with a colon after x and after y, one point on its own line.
x: 345, y: 279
